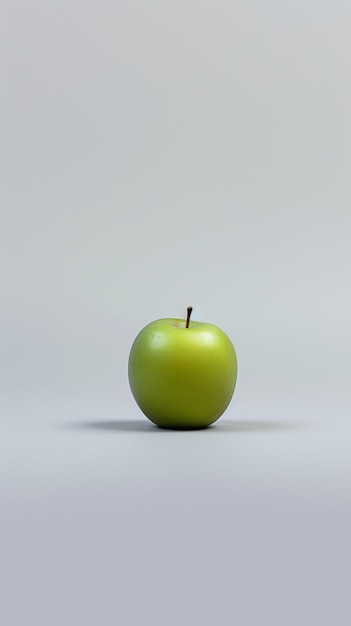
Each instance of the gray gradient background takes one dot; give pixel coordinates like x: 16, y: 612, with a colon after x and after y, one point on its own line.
x: 155, y: 155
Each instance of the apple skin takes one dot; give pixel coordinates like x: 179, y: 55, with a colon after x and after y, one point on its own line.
x: 182, y: 378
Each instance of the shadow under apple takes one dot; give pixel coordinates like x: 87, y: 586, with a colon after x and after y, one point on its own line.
x: 233, y: 426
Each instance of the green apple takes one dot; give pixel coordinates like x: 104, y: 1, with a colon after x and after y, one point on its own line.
x: 182, y: 374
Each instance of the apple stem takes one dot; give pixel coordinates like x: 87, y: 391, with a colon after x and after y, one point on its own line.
x: 190, y: 308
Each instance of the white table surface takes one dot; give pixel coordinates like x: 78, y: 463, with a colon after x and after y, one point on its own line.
x: 108, y: 520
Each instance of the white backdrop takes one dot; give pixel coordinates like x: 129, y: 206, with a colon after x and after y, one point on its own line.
x: 157, y: 154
